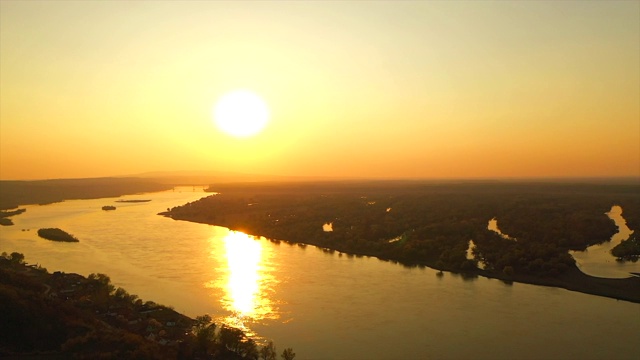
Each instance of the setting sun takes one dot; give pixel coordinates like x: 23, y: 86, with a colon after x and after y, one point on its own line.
x: 241, y: 113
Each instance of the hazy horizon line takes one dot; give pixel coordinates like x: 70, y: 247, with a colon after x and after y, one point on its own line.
x: 250, y: 177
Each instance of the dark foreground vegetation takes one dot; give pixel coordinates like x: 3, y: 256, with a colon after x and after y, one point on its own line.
x: 434, y: 222
x: 63, y: 316
x: 16, y: 193
x: 55, y: 234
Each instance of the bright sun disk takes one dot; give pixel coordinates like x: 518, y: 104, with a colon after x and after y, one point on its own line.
x: 241, y: 113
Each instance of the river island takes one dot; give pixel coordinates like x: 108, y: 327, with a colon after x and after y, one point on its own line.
x: 55, y: 234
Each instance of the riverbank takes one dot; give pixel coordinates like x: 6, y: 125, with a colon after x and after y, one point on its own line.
x: 16, y: 193
x: 63, y: 315
x: 435, y: 223
x: 572, y: 279
x: 60, y: 316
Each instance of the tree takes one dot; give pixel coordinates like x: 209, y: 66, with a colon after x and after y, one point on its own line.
x: 17, y: 258
x: 103, y: 282
x: 248, y: 349
x: 205, y: 333
x: 231, y: 337
x: 508, y: 270
x: 121, y: 293
x: 268, y: 352
x: 288, y: 354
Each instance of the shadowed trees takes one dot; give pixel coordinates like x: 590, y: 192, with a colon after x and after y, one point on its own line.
x: 268, y: 352
x: 627, y: 250
x: 55, y: 234
x: 288, y: 354
x: 432, y: 223
x: 205, y: 334
x: 225, y: 342
x: 69, y: 316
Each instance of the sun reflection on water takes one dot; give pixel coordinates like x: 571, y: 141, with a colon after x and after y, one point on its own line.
x: 246, y: 280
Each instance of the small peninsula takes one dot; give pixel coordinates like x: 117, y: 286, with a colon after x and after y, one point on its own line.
x: 4, y: 216
x: 55, y: 234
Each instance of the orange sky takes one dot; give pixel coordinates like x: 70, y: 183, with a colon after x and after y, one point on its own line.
x: 366, y: 89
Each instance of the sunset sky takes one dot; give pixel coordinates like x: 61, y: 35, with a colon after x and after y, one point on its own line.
x: 354, y: 89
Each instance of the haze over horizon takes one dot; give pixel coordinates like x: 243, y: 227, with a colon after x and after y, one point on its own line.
x: 209, y: 177
x: 354, y: 89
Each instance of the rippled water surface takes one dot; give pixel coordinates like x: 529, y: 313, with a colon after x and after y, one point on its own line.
x: 325, y: 305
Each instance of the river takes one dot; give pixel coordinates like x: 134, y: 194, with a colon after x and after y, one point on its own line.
x: 325, y: 305
x: 597, y: 260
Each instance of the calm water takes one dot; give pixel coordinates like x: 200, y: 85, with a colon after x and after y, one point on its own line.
x: 324, y: 305
x: 597, y: 259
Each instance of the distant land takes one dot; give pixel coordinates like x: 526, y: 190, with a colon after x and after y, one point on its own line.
x: 197, y: 177
x: 436, y: 218
x: 431, y: 223
x: 14, y: 193
x: 212, y: 177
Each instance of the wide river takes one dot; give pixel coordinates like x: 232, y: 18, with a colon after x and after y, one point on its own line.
x: 325, y: 305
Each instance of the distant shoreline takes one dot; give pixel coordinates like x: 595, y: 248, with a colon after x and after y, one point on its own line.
x: 573, y: 279
x: 441, y: 218
x: 42, y: 192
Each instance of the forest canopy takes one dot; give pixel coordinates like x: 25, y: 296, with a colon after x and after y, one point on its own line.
x: 427, y: 223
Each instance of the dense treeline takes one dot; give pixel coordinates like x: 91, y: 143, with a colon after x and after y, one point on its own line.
x: 16, y: 193
x: 628, y: 250
x: 69, y: 316
x: 435, y: 221
x: 432, y: 222
x: 631, y: 212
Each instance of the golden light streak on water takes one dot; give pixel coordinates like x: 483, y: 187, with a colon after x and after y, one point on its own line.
x: 246, y: 281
